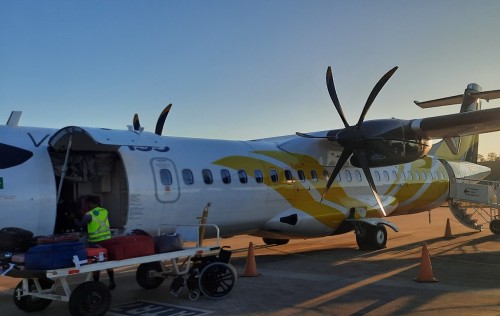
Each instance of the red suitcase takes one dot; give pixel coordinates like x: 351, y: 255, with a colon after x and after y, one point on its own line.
x: 124, y: 247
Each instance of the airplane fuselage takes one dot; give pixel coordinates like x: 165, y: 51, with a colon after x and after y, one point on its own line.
x: 267, y: 187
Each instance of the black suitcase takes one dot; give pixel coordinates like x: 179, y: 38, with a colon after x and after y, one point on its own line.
x: 168, y: 243
x: 15, y: 239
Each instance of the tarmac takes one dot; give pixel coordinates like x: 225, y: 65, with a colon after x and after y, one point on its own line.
x: 330, y: 276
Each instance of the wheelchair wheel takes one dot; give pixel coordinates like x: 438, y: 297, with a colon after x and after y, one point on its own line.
x: 216, y: 280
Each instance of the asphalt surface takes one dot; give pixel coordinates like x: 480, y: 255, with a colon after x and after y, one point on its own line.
x: 330, y: 276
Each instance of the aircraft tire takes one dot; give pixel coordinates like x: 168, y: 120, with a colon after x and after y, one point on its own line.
x: 144, y: 279
x: 275, y: 241
x: 29, y: 303
x: 371, y: 237
x: 216, y: 280
x: 377, y: 236
x: 90, y: 298
x: 362, y: 241
x: 495, y: 226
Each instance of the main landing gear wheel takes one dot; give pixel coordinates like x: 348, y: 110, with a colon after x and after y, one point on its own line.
x: 495, y: 226
x: 144, y: 278
x: 29, y: 303
x: 216, y: 280
x: 90, y: 298
x: 371, y: 237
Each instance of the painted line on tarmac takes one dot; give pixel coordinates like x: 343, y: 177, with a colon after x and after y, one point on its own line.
x: 148, y: 308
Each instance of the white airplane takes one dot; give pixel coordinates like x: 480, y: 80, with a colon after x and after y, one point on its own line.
x: 297, y: 186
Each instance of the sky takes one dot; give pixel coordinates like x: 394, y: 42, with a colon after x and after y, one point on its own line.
x: 240, y: 69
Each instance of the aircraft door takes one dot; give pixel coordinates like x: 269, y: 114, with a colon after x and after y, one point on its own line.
x: 166, y: 180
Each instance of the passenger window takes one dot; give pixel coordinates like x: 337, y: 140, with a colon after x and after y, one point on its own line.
x: 243, y: 176
x: 314, y: 175
x: 417, y: 177
x: 226, y: 176
x: 207, y: 176
x: 441, y: 176
x: 302, y: 176
x: 377, y: 176
x: 259, y: 178
x: 410, y: 177
x: 358, y: 175
x: 424, y: 176
x: 326, y: 175
x: 386, y: 176
x: 288, y: 175
x: 394, y: 176
x: 348, y: 176
x: 403, y: 176
x: 274, y: 175
x: 166, y: 177
x: 187, y: 176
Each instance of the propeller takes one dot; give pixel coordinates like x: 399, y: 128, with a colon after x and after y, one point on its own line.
x: 135, y: 122
x: 161, y: 119
x: 353, y: 138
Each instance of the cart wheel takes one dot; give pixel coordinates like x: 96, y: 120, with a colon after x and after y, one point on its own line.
x: 194, y: 295
x: 90, y: 298
x: 143, y: 278
x: 29, y: 303
x: 217, y: 279
x: 495, y: 226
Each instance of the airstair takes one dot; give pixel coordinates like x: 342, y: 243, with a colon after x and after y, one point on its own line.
x: 476, y: 203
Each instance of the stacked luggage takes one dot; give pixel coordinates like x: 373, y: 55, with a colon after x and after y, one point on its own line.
x: 18, y: 246
x: 41, y: 252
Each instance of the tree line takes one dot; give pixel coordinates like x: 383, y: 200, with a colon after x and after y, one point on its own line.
x: 489, y: 157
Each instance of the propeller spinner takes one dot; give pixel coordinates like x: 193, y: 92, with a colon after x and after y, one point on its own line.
x: 354, y: 138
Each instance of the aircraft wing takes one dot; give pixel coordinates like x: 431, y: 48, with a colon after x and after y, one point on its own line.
x: 460, y: 124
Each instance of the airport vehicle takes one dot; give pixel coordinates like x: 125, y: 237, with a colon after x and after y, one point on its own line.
x: 203, y: 270
x: 296, y: 186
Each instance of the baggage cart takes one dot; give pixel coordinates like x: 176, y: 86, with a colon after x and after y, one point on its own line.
x: 204, y: 270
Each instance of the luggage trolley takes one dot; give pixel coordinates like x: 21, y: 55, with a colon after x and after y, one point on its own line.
x: 204, y: 270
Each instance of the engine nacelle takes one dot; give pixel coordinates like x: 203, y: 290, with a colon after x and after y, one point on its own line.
x: 386, y: 142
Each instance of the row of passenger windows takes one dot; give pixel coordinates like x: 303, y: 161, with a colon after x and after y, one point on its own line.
x: 347, y: 175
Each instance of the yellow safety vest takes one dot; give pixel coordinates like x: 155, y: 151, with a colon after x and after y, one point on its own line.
x: 98, y: 229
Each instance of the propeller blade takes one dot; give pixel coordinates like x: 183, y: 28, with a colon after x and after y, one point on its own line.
x: 363, y: 161
x: 136, y: 123
x: 346, y: 153
x: 380, y: 84
x: 161, y: 119
x: 333, y: 95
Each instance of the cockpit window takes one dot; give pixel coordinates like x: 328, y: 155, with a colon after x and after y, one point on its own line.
x: 13, y: 156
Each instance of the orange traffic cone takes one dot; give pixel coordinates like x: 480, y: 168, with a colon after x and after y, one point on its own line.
x: 425, y: 274
x: 447, y: 231
x: 250, y: 266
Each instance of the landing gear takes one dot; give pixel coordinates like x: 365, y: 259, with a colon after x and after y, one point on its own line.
x: 495, y: 226
x: 371, y: 237
x: 275, y: 241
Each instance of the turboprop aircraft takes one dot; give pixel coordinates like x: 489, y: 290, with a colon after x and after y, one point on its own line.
x: 297, y: 186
